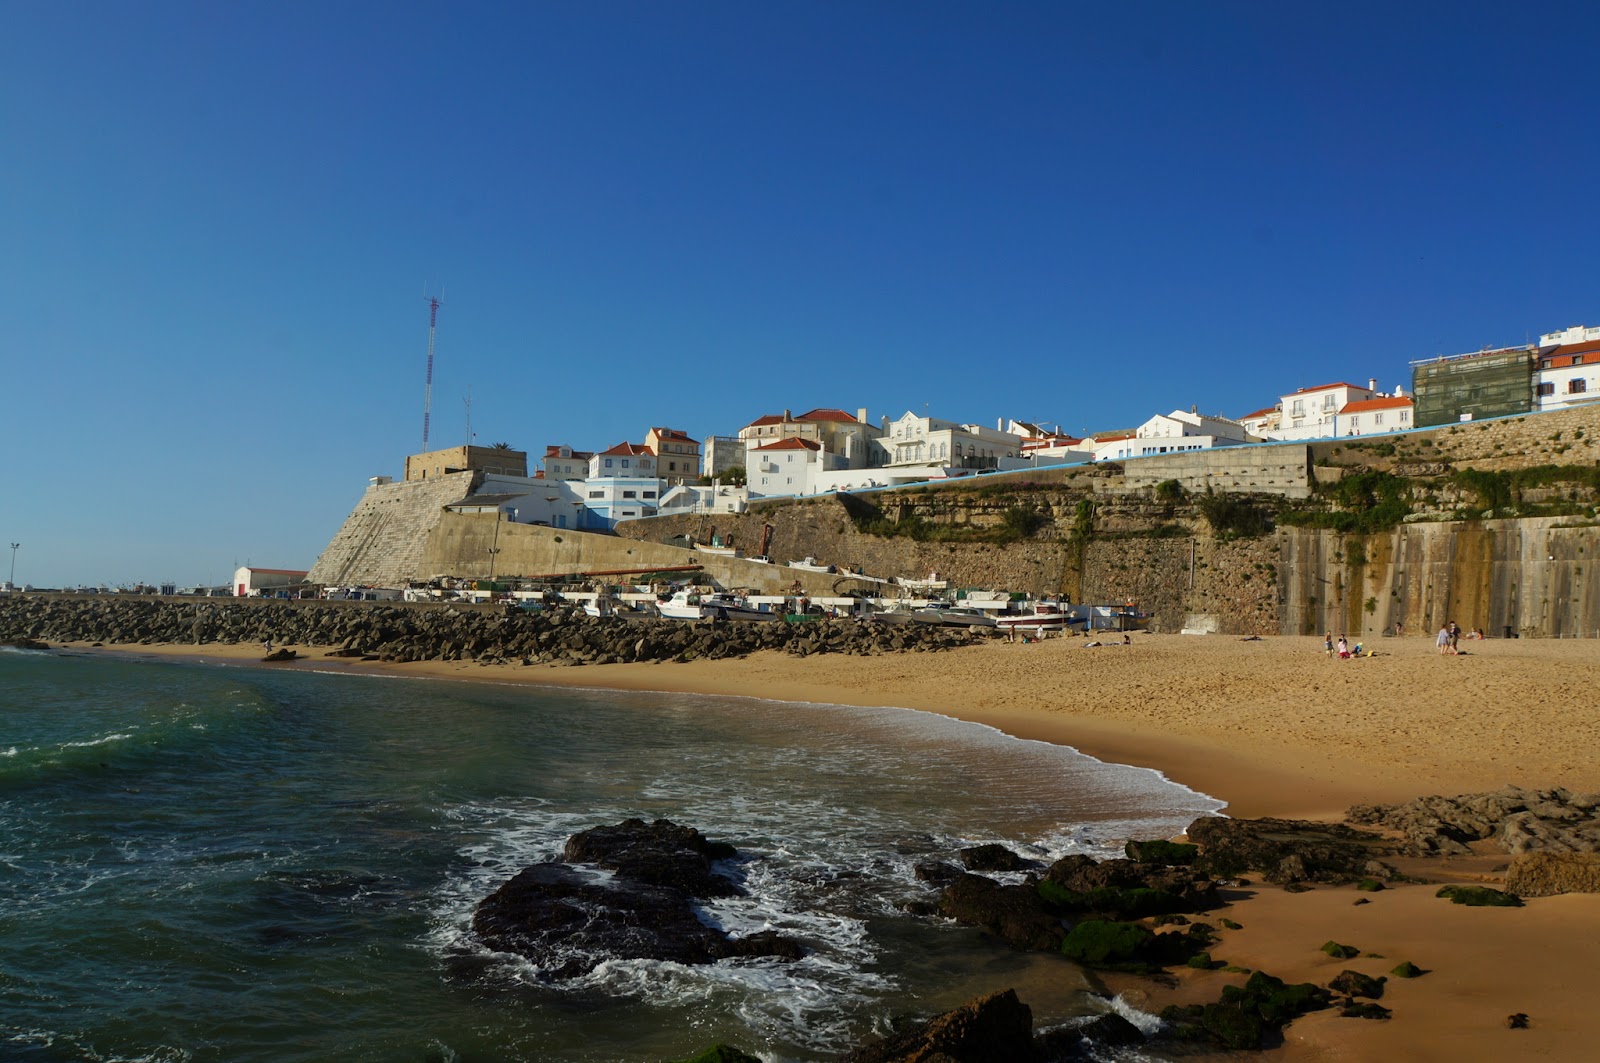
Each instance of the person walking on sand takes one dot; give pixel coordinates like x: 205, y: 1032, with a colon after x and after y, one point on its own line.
x: 1443, y: 641
x: 1455, y: 637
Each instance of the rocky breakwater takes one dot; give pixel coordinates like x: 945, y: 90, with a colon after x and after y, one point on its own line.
x: 405, y: 633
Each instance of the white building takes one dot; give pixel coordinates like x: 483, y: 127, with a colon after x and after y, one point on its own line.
x: 251, y: 582
x: 914, y: 440
x: 847, y: 439
x: 1313, y: 413
x: 784, y: 467
x: 1174, y: 433
x: 630, y: 460
x: 1568, y: 372
x: 1387, y: 413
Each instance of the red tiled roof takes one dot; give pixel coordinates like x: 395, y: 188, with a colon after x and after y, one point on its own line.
x: 1112, y: 438
x: 674, y: 434
x: 1572, y: 348
x: 770, y: 418
x: 630, y: 448
x: 792, y: 443
x: 1391, y: 402
x: 825, y: 414
x: 1259, y: 413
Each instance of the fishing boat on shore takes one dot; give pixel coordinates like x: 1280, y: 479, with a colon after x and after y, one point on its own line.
x: 948, y: 614
x: 722, y: 606
x: 1038, y: 617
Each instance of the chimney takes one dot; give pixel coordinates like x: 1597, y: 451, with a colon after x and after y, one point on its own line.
x: 861, y: 415
x: 787, y: 416
x: 1372, y: 384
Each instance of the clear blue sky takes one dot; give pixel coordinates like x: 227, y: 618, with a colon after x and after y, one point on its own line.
x: 217, y: 223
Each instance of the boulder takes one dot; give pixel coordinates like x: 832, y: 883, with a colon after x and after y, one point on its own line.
x: 1543, y: 874
x: 1015, y: 913
x: 1287, y: 851
x: 566, y: 923
x: 994, y: 1029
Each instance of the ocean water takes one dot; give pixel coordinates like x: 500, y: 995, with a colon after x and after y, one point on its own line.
x: 208, y: 862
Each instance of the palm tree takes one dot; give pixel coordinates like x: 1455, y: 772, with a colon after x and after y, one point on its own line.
x: 502, y: 446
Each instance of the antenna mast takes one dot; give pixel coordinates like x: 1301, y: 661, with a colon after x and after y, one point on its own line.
x: 434, y: 302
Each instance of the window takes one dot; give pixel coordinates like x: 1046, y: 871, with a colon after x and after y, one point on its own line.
x: 1577, y: 386
x: 624, y: 463
x: 630, y: 494
x: 1405, y: 415
x: 1327, y: 401
x: 1547, y: 388
x: 608, y: 463
x: 649, y: 494
x: 597, y: 494
x: 1299, y: 407
x: 1377, y: 418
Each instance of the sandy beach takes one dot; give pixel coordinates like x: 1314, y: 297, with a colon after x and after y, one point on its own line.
x: 1275, y: 728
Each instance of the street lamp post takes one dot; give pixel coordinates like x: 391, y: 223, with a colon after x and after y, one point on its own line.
x: 12, y: 582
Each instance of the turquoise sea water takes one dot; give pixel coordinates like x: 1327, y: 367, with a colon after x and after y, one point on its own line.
x: 204, y: 862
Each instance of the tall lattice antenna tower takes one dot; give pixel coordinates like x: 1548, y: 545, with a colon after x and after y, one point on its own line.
x: 434, y: 303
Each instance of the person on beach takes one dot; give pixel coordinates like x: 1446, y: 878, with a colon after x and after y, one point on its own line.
x: 1327, y: 643
x: 1344, y: 648
x: 1443, y: 641
x: 1455, y: 638
x: 1399, y: 628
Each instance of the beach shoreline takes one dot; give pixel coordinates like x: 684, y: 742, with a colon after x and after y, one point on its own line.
x: 1274, y: 728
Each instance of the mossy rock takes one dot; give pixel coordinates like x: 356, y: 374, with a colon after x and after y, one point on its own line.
x: 1170, y: 920
x: 1134, y: 903
x: 1231, y: 969
x: 1408, y: 970
x: 1109, y: 945
x: 1229, y: 924
x: 1180, y: 854
x: 1201, y: 961
x: 1340, y: 952
x: 1479, y: 897
x: 1277, y: 1001
x: 1369, y: 885
x: 722, y: 1054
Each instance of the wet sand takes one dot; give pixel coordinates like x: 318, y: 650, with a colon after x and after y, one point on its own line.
x: 1273, y: 727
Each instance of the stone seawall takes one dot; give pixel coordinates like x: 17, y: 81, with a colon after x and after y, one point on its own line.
x: 402, y: 633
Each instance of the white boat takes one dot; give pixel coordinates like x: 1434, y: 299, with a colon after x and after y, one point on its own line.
x: 810, y: 564
x: 683, y: 605
x: 1038, y: 616
x: 731, y: 607
x: 941, y: 612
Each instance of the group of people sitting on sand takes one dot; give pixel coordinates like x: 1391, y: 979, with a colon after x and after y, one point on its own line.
x: 1342, y: 649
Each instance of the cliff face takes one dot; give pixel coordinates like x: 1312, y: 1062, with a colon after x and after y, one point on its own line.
x: 1494, y: 527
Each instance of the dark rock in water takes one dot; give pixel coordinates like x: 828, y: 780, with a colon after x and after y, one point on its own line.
x: 1287, y: 851
x: 937, y: 872
x: 1017, y: 914
x: 993, y: 1029
x: 281, y: 655
x: 25, y: 644
x: 566, y: 922
x: 722, y: 1054
x: 994, y: 858
x: 1353, y: 1010
x: 1080, y: 1040
x: 660, y: 854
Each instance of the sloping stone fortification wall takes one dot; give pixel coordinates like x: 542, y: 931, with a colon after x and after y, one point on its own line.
x: 381, y: 543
